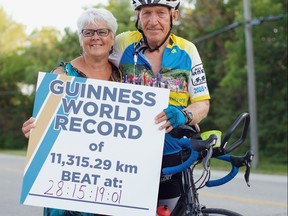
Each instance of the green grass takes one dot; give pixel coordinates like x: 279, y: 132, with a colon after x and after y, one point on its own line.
x: 270, y: 168
x: 263, y: 168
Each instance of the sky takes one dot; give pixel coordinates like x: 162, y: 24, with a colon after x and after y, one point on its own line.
x: 38, y: 13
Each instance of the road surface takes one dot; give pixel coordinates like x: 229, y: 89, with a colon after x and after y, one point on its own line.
x: 267, y: 195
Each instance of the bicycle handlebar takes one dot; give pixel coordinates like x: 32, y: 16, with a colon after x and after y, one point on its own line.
x: 245, y: 118
x: 219, y: 152
x: 236, y: 162
x: 194, y: 155
x: 228, y: 177
x: 179, y: 168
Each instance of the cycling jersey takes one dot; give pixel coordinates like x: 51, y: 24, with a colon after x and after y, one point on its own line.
x: 181, y: 71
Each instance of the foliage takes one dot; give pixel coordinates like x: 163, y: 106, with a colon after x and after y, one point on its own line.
x: 122, y: 11
x: 270, y: 59
x: 12, y: 34
x: 223, y: 53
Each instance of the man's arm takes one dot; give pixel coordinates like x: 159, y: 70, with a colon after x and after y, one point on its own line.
x: 199, y: 110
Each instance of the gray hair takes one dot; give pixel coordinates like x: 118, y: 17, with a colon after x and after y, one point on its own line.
x: 96, y: 15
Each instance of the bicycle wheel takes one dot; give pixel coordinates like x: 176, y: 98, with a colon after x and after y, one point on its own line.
x: 218, y: 211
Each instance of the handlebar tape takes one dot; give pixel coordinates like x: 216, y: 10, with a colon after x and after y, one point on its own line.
x: 228, y: 177
x: 179, y: 168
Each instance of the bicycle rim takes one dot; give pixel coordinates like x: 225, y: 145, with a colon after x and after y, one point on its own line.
x: 217, y: 211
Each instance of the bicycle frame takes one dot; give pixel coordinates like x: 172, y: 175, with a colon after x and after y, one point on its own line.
x: 188, y: 203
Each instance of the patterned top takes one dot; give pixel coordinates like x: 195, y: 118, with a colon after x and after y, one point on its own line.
x: 70, y: 70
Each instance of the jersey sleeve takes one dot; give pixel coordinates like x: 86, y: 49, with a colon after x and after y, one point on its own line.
x: 122, y: 41
x: 197, y: 84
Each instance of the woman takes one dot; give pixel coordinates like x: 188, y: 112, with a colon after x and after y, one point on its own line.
x: 97, y: 30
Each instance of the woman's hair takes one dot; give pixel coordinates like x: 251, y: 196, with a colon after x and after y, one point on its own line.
x: 96, y: 16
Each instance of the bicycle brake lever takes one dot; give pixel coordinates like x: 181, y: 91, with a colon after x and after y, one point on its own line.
x: 248, y: 160
x: 247, y: 174
x: 207, y: 158
x: 209, y: 146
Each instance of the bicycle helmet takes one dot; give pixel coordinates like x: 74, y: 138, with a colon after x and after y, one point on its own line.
x: 169, y: 3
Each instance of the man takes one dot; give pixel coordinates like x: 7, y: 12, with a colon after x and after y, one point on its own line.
x: 170, y: 61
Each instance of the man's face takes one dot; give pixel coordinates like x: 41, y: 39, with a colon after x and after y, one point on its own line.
x: 155, y: 22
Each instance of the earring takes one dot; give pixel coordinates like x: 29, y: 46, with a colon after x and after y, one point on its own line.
x: 111, y: 50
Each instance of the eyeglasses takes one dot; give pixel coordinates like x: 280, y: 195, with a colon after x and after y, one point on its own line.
x: 103, y: 32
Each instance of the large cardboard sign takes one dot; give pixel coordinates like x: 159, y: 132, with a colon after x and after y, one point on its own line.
x: 95, y: 147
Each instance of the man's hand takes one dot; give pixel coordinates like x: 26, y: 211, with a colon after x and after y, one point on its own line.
x: 173, y: 117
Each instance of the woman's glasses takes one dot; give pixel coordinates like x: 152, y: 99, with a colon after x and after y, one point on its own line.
x: 103, y: 32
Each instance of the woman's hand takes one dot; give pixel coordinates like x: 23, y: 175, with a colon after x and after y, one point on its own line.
x: 27, y: 126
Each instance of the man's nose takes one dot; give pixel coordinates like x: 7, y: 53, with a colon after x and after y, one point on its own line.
x: 153, y: 19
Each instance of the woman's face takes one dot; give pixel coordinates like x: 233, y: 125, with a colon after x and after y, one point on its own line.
x: 97, y: 40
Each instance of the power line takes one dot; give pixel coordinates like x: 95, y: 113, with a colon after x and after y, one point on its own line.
x: 256, y: 21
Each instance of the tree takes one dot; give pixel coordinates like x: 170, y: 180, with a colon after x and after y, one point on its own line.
x: 270, y: 54
x: 124, y: 14
x: 21, y: 58
x: 12, y: 34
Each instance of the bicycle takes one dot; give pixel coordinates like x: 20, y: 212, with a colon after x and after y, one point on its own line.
x: 188, y: 203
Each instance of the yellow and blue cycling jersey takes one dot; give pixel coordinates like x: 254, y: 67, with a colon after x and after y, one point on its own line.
x: 181, y: 71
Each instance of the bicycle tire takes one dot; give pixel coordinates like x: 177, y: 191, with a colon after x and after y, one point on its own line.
x: 218, y: 211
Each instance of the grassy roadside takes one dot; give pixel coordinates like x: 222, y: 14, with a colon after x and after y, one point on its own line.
x: 263, y: 168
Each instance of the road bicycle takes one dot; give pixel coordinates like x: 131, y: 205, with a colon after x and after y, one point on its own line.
x: 189, y: 204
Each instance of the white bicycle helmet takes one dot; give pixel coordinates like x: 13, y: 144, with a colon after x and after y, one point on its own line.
x: 170, y: 3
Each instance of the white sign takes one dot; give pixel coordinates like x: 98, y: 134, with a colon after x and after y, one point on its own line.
x: 95, y: 147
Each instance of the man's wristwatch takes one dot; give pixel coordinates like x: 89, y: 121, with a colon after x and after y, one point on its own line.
x: 188, y: 115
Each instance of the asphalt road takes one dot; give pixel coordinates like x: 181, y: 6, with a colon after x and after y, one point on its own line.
x: 267, y: 195
x: 11, y: 172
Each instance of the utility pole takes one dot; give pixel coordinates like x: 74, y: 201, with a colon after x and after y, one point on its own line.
x: 251, y: 82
